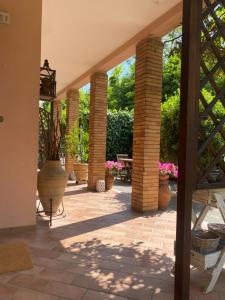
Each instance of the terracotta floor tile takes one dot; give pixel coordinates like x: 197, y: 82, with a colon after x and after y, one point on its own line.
x: 6, y: 291
x: 39, y: 285
x: 81, y: 269
x: 52, y: 274
x: 90, y: 282
x: 137, y: 291
x: 51, y: 263
x: 162, y: 296
x: 102, y: 247
x: 196, y: 294
x: 95, y: 295
x: 25, y: 294
x: 65, y: 290
x: 221, y: 295
x: 5, y: 278
x: 43, y: 252
x: 34, y: 271
x: 22, y: 280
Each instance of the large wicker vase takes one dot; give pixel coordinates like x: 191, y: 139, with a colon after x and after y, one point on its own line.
x: 81, y: 171
x: 164, y: 192
x: 52, y: 180
x: 109, y: 180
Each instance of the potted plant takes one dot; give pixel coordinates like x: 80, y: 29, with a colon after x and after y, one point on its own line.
x: 77, y: 147
x: 165, y: 171
x: 112, y: 169
x: 52, y: 178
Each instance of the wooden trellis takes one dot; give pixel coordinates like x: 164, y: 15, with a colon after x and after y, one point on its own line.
x: 211, y: 145
x: 50, y: 133
x: 202, y: 129
x: 44, y: 126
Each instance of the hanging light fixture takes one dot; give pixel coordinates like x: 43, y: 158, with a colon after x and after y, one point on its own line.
x: 47, y: 82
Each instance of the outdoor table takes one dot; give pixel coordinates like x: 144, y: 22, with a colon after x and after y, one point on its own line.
x: 128, y: 166
x: 127, y: 160
x: 211, y: 198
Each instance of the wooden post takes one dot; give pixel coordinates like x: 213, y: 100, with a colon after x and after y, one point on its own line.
x: 190, y: 91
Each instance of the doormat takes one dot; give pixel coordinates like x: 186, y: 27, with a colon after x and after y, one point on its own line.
x: 14, y: 257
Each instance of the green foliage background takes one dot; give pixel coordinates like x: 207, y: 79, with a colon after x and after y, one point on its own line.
x: 119, y: 133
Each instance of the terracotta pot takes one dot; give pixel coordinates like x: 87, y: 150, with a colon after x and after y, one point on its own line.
x: 52, y: 180
x: 109, y: 180
x: 81, y: 171
x: 214, y: 175
x: 164, y: 192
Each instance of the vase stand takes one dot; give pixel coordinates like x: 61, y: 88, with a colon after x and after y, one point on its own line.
x: 50, y: 215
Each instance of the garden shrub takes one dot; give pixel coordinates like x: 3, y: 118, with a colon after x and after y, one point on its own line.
x: 119, y: 133
x: 170, y: 111
x: 170, y: 128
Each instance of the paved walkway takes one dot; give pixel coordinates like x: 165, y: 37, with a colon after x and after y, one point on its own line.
x: 100, y: 251
x: 212, y: 217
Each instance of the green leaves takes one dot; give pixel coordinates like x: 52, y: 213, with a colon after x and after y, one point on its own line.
x: 121, y: 87
x: 119, y: 133
x: 170, y: 111
x: 77, y: 143
x: 171, y: 76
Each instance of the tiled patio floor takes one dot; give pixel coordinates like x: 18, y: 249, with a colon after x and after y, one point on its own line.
x: 101, y: 250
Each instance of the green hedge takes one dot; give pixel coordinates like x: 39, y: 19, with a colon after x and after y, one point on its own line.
x: 170, y: 111
x: 170, y: 129
x: 119, y: 133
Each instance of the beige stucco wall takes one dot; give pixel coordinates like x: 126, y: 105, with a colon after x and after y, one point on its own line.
x: 20, y: 46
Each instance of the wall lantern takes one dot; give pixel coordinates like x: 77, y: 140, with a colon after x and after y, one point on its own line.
x: 47, y: 82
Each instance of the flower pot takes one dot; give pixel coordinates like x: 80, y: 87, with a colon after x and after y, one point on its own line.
x: 52, y: 180
x: 109, y: 180
x: 81, y: 171
x: 164, y: 192
x: 214, y: 175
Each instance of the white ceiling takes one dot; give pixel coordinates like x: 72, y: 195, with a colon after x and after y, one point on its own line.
x: 78, y: 34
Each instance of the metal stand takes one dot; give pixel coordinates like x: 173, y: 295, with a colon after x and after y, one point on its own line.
x: 44, y: 214
x: 219, y: 203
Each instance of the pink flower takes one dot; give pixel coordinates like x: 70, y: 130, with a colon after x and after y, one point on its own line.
x: 176, y: 173
x: 168, y: 169
x: 118, y: 166
x: 113, y: 166
x: 109, y: 164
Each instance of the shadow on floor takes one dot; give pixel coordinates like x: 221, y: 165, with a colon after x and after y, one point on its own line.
x: 82, y: 190
x: 120, y: 269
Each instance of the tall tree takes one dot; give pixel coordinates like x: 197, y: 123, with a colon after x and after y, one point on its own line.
x: 121, y: 87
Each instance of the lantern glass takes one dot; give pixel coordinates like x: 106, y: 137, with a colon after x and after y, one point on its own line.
x: 47, y: 82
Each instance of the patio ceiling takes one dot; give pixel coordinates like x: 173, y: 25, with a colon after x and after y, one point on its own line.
x: 80, y: 37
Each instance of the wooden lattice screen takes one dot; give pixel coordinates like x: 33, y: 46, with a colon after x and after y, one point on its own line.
x: 51, y: 134
x: 44, y: 125
x: 202, y: 122
x: 211, y: 145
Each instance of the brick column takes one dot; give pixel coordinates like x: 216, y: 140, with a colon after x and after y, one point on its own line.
x: 72, y: 117
x: 146, y: 134
x: 97, y: 128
